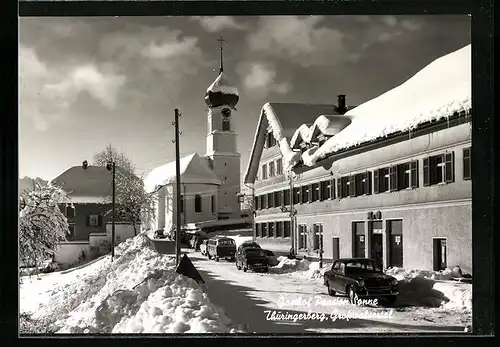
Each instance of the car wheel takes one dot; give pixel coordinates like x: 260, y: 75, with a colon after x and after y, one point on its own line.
x: 353, y: 297
x: 216, y: 258
x: 237, y: 266
x: 209, y: 256
x: 329, y: 290
x: 266, y: 269
x: 244, y: 268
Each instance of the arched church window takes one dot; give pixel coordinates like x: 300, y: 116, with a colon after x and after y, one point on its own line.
x: 226, y: 125
x: 197, y: 203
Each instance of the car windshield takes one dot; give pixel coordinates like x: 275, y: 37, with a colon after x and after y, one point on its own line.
x: 254, y: 251
x: 361, y: 267
x: 226, y: 242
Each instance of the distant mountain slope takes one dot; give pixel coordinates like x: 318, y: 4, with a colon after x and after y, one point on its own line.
x: 27, y: 183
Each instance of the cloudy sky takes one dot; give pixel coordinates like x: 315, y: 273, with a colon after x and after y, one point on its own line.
x: 87, y: 82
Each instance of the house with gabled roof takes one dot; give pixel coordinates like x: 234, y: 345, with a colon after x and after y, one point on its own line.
x: 389, y: 179
x: 89, y: 188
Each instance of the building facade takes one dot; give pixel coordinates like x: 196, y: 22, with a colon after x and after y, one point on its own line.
x: 406, y: 202
x: 389, y: 179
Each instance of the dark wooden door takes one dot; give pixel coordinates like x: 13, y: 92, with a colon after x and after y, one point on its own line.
x: 359, y: 239
x: 377, y: 248
x: 395, y: 228
x: 335, y: 248
x: 440, y: 254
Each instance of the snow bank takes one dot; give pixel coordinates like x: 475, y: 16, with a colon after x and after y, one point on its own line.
x: 433, y: 288
x: 437, y: 91
x: 286, y: 265
x: 139, y: 292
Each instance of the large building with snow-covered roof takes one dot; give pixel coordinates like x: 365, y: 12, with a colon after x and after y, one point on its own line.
x: 389, y: 179
x: 210, y: 183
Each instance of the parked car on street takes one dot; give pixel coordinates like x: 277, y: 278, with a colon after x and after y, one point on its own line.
x: 360, y: 278
x: 221, y: 247
x: 249, y: 244
x: 203, y: 247
x: 254, y: 259
x: 196, y: 241
x: 271, y: 257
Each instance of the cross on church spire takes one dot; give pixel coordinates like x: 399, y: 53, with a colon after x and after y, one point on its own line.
x: 221, y: 41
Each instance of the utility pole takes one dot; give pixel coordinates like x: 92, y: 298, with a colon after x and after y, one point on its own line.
x: 321, y: 246
x: 292, y: 224
x: 177, y: 190
x: 112, y: 167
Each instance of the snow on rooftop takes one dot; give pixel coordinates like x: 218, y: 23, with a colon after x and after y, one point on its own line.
x: 303, y: 132
x: 437, y: 91
x: 221, y: 84
x: 192, y: 170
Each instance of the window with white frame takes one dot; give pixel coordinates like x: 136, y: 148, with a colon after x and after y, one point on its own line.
x: 439, y: 169
x: 94, y: 220
x: 264, y: 171
x: 318, y: 236
x: 279, y: 166
x: 302, y: 236
x: 271, y: 169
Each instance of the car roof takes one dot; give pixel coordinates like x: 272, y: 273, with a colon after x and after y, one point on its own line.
x: 253, y: 249
x: 349, y: 260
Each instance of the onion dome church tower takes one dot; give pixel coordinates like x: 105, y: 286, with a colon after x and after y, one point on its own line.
x: 221, y: 98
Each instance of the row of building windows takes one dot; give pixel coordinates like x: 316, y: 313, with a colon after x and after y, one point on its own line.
x: 273, y: 229
x: 436, y: 170
x: 281, y: 229
x: 271, y: 169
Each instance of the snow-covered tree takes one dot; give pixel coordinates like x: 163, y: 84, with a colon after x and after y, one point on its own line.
x: 132, y: 203
x: 42, y: 225
x: 110, y: 154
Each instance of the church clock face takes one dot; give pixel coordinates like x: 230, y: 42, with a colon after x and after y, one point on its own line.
x: 226, y: 112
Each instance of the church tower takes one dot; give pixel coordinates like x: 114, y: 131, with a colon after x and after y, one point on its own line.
x: 221, y: 98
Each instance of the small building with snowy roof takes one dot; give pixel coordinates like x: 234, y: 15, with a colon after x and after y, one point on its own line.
x: 389, y: 179
x: 210, y: 183
x: 89, y: 189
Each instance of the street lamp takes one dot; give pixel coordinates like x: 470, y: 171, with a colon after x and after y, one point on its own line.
x: 110, y: 166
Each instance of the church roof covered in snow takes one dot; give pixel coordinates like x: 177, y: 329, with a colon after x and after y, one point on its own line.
x: 193, y: 169
x: 221, y: 92
x: 283, y: 119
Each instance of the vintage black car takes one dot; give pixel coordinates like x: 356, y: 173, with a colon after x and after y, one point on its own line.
x: 252, y: 259
x: 360, y: 278
x: 221, y: 247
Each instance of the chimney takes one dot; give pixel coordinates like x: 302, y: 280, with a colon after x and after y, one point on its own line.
x: 341, y: 108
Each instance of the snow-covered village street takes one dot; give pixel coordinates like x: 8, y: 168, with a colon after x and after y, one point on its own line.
x: 104, y: 296
x: 251, y: 298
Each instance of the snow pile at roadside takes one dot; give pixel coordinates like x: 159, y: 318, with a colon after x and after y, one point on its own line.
x: 286, y: 265
x: 433, y: 288
x: 400, y: 273
x: 139, y: 292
